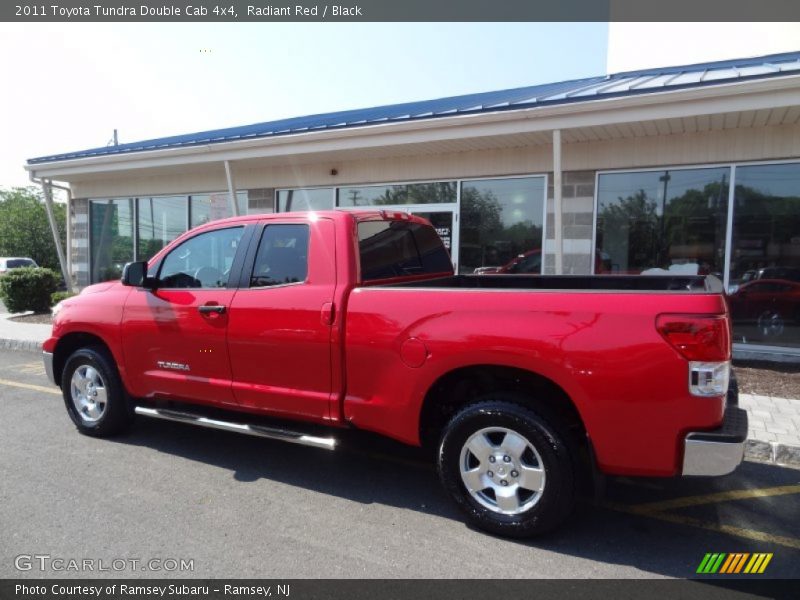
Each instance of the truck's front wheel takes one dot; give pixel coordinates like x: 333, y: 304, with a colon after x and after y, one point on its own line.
x: 93, y: 393
x: 508, y: 468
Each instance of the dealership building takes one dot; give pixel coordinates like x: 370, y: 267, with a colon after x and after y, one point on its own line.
x: 685, y: 169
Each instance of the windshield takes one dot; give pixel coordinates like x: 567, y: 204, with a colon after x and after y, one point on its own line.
x: 16, y: 263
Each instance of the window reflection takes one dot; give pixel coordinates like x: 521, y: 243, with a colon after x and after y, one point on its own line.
x: 663, y: 221
x: 210, y: 207
x: 439, y: 192
x: 111, y: 237
x: 305, y: 199
x: 502, y: 222
x: 764, y: 280
x: 116, y: 229
x: 161, y: 220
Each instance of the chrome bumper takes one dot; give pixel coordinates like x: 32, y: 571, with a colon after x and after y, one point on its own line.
x: 48, y: 366
x: 716, y: 452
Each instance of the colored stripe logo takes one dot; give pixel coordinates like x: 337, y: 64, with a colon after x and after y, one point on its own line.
x: 733, y: 563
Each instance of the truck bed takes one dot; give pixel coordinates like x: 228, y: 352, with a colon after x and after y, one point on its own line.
x: 594, y: 337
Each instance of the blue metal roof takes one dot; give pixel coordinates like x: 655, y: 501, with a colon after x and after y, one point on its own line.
x: 579, y: 90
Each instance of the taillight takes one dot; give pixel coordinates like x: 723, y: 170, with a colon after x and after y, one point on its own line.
x: 697, y: 337
x: 705, y: 341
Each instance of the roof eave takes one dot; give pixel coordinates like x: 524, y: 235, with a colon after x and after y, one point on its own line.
x: 739, y: 95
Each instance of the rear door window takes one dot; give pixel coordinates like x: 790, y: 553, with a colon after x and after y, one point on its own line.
x: 282, y: 256
x: 400, y: 248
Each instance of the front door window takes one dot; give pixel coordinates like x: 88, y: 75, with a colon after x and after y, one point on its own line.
x: 203, y: 261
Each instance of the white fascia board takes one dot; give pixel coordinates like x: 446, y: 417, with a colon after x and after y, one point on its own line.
x: 750, y: 95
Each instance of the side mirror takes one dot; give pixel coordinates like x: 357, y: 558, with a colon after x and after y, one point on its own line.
x: 135, y: 274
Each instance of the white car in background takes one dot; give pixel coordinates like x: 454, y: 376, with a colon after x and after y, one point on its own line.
x: 15, y: 262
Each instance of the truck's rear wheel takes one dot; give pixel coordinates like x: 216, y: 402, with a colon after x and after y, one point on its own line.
x: 508, y: 468
x: 93, y: 393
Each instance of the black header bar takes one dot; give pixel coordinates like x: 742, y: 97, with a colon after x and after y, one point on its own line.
x: 268, y: 11
x: 359, y: 589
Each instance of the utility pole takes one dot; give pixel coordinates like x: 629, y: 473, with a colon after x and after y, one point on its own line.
x: 231, y: 189
x: 557, y: 204
x: 661, y: 253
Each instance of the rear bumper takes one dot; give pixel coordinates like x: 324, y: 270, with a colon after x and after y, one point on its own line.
x: 47, y: 357
x: 716, y: 452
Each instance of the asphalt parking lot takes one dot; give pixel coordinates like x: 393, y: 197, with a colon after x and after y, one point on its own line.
x: 245, y: 507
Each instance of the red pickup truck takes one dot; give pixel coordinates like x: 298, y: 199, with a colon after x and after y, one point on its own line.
x: 523, y: 385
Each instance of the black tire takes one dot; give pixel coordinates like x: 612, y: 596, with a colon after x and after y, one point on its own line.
x: 550, y: 452
x: 117, y: 413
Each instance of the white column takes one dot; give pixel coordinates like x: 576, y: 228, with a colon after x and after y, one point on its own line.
x: 68, y: 224
x: 48, y: 203
x: 231, y: 189
x: 559, y: 259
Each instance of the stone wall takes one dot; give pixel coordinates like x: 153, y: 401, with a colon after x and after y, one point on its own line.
x: 261, y: 200
x: 577, y: 203
x: 79, y: 252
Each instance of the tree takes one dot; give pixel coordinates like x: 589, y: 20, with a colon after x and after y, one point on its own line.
x: 24, y: 229
x: 630, y: 231
x: 481, y: 228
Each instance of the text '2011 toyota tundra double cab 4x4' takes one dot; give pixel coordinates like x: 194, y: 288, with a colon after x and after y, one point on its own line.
x: 522, y: 384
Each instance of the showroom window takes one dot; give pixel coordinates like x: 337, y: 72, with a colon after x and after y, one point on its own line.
x: 304, y: 199
x: 210, y: 207
x: 502, y: 225
x: 127, y: 229
x: 111, y: 235
x: 662, y: 221
x: 160, y: 221
x: 764, y: 282
x: 437, y: 192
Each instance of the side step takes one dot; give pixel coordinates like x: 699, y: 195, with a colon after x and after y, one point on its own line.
x: 271, y: 433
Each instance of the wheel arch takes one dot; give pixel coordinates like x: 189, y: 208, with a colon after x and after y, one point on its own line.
x: 465, y: 385
x: 71, y: 342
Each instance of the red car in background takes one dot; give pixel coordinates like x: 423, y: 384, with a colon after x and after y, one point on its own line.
x: 767, y: 308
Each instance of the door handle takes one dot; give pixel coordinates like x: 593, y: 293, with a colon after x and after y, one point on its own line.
x: 211, y: 308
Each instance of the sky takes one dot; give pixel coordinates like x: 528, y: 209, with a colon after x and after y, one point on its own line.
x: 72, y: 84
x: 634, y: 46
x: 67, y: 86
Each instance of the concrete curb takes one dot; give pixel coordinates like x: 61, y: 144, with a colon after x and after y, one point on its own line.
x: 773, y: 453
x: 20, y: 345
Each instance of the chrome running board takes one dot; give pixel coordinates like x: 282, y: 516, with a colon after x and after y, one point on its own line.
x: 271, y: 433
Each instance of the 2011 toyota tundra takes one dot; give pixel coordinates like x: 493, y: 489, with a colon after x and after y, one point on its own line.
x: 522, y: 384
